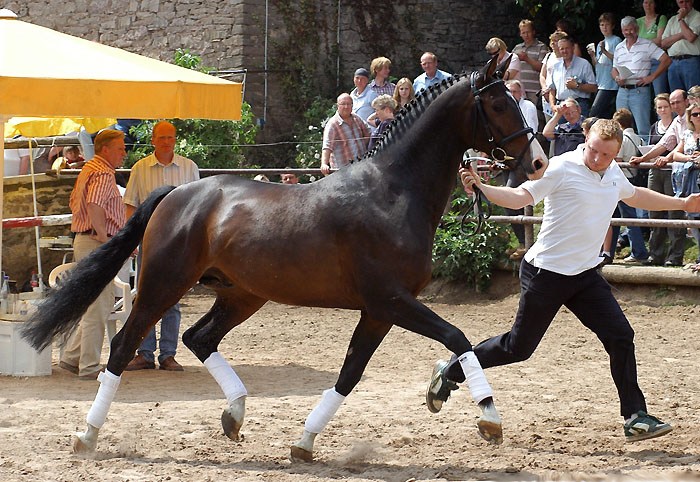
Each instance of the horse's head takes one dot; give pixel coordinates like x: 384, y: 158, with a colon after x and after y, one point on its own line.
x: 498, y: 126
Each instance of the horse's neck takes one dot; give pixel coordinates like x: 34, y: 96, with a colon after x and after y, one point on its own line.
x: 424, y: 159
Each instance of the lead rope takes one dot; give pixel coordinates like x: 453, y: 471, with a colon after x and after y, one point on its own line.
x: 476, y: 205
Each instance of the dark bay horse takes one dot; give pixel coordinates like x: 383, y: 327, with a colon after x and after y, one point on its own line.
x: 358, y: 239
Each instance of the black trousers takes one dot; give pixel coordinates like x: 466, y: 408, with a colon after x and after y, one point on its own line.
x: 589, y: 297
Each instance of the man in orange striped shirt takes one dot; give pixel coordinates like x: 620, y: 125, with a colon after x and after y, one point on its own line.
x: 98, y: 213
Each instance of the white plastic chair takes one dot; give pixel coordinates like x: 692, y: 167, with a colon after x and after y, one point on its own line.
x: 122, y: 289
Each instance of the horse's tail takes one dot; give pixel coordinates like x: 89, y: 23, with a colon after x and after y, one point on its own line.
x: 62, y: 309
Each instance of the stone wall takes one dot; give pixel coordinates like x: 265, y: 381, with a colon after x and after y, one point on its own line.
x: 229, y: 34
x: 19, y: 244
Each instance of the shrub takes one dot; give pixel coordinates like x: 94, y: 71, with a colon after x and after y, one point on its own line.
x: 467, y: 258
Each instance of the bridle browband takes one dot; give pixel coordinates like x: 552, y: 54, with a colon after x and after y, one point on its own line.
x: 499, y: 156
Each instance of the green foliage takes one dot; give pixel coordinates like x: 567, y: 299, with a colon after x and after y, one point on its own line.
x: 310, y: 132
x: 458, y: 257
x: 576, y: 11
x: 209, y: 143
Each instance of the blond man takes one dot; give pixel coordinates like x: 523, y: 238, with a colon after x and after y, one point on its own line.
x: 581, y: 189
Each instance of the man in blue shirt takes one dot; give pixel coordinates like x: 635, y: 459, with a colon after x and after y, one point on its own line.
x: 432, y: 75
x: 573, y: 77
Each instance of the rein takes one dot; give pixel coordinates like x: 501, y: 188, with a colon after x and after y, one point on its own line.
x: 499, y: 158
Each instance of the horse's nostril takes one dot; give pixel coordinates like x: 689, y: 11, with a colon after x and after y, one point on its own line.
x: 538, y: 165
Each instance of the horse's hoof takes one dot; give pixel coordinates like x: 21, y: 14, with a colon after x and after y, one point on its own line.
x: 81, y: 445
x: 490, y: 430
x: 231, y: 426
x: 300, y: 455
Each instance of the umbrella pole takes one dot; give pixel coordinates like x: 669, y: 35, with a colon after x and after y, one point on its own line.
x: 40, y: 274
x: 3, y: 119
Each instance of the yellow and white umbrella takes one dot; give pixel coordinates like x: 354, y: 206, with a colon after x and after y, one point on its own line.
x: 110, y: 83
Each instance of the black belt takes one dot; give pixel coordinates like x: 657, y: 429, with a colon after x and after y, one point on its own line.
x: 91, y: 232
x: 630, y: 86
x: 683, y: 57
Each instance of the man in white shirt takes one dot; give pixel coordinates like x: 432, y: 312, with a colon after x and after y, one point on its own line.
x: 362, y: 95
x: 162, y: 168
x: 526, y: 107
x: 580, y: 190
x: 633, y: 56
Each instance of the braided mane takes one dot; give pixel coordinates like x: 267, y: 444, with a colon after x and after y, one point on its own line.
x: 409, y: 113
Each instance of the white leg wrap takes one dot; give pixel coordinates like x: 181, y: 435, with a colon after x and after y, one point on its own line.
x: 324, y: 411
x: 109, y: 383
x: 478, y: 385
x: 225, y: 376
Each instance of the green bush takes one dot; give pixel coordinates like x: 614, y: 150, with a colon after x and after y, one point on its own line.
x: 467, y: 258
x: 310, y: 132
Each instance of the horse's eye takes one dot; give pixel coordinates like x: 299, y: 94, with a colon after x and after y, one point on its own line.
x: 499, y: 106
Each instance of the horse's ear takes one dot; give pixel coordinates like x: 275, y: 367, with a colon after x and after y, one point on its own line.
x: 502, y: 68
x: 489, y: 69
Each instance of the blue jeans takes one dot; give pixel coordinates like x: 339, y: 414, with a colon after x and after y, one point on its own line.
x: 639, y: 250
x: 169, y: 330
x: 639, y: 102
x: 661, y: 82
x: 683, y: 74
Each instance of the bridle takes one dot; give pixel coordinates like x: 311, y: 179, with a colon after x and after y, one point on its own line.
x: 499, y: 157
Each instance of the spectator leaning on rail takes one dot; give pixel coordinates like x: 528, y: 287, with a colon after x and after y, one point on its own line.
x: 660, y: 181
x: 573, y: 77
x: 98, y: 213
x: 637, y: 177
x: 380, y: 68
x: 569, y: 134
x: 681, y: 41
x: 530, y: 52
x: 162, y: 168
x: 632, y: 72
x: 345, y: 137
x: 670, y: 139
x: 431, y: 76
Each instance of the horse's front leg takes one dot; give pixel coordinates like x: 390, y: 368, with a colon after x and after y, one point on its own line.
x: 368, y: 334
x: 407, y: 312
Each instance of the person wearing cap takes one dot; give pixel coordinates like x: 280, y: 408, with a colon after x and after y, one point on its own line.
x: 362, y: 95
x: 431, y: 76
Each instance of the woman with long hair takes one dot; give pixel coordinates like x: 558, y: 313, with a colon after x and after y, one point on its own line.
x: 403, y: 93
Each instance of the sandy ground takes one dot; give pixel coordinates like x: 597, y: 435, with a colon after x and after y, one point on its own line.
x: 560, y: 409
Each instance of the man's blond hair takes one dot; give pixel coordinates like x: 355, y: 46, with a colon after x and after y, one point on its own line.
x: 378, y: 64
x: 607, y: 130
x: 105, y: 137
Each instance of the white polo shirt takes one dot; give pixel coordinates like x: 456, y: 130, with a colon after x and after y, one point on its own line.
x: 637, y: 58
x: 578, y: 206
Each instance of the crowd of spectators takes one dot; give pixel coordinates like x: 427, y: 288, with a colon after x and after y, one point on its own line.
x: 634, y: 78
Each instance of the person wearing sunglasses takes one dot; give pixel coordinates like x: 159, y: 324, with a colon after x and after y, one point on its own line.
x: 496, y: 47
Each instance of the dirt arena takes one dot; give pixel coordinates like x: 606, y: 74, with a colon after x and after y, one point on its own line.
x: 560, y: 410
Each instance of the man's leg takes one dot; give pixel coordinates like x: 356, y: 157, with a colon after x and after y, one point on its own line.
x: 639, y: 250
x: 690, y: 72
x: 169, y: 333
x: 542, y: 294
x: 640, y: 105
x: 596, y: 307
x: 675, y: 80
x: 657, y: 239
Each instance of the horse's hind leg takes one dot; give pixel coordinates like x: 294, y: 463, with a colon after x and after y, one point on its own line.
x: 407, y: 312
x: 232, y: 307
x: 368, y: 334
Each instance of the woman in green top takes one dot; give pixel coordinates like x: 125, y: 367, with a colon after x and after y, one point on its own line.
x: 651, y: 27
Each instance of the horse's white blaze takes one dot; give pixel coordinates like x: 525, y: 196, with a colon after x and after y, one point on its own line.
x: 537, y: 153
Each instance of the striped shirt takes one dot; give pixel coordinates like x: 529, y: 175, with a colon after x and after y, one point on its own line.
x: 674, y: 133
x: 387, y: 88
x: 148, y: 174
x: 345, y: 140
x: 96, y: 185
x: 529, y: 77
x: 637, y: 58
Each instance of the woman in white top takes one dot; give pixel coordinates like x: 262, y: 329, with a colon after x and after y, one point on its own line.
x: 547, y: 65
